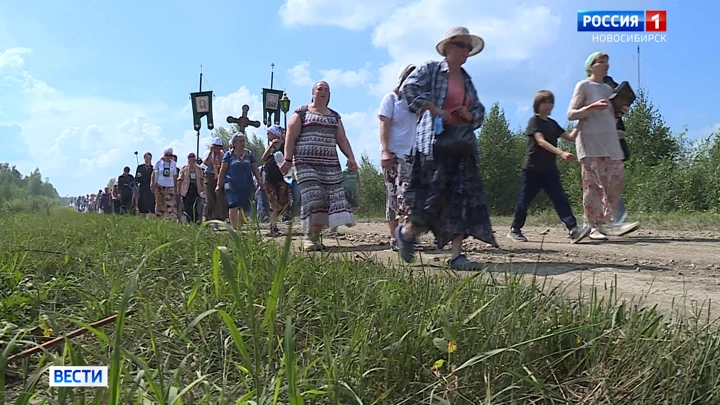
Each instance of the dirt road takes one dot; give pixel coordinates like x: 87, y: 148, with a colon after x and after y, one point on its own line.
x: 661, y: 266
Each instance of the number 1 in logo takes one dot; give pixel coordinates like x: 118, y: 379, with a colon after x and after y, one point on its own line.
x: 655, y: 21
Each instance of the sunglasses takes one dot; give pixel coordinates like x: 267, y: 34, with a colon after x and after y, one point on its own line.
x: 462, y: 45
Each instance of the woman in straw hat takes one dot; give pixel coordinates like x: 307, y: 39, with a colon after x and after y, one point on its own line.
x: 397, y: 137
x: 598, y: 150
x: 446, y: 193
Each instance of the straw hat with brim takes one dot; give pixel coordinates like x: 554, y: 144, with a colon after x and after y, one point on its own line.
x: 477, y: 43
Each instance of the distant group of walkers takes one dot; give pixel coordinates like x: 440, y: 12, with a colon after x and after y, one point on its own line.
x: 430, y: 159
x: 222, y: 186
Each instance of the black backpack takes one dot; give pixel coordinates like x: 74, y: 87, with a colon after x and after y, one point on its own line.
x: 272, y: 172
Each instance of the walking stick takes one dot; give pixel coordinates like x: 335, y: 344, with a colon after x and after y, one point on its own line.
x: 75, y: 333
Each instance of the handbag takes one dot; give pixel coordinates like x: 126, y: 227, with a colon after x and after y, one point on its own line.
x: 456, y: 141
x: 625, y: 149
x: 623, y: 96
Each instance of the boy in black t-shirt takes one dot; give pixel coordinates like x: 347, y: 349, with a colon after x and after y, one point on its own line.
x: 540, y: 170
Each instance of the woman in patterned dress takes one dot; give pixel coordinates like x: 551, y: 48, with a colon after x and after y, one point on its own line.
x: 314, y: 133
x: 446, y: 193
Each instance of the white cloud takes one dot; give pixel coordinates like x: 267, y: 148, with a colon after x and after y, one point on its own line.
x: 348, y: 78
x: 510, y: 30
x: 351, y: 15
x: 13, y: 57
x: 525, y: 49
x: 363, y: 131
x: 79, y: 142
x: 704, y: 133
x: 300, y: 74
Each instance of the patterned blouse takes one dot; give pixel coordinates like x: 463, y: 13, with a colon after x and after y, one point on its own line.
x: 429, y: 82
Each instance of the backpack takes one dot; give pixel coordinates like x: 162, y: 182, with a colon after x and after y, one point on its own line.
x: 273, y: 175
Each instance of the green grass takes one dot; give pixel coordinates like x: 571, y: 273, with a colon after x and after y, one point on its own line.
x: 225, y: 319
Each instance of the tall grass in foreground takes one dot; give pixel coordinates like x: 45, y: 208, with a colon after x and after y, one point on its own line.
x: 227, y: 319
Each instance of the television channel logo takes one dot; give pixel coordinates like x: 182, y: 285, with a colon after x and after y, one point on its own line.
x: 624, y: 26
x: 78, y: 376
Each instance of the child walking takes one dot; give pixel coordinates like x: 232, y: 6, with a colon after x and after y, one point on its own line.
x: 540, y: 170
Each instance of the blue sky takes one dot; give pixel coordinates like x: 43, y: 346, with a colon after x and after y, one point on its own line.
x: 83, y: 84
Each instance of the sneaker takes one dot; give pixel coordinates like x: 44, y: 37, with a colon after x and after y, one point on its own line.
x: 394, y: 245
x: 622, y: 229
x: 406, y: 247
x: 516, y: 235
x: 577, y: 234
x: 597, y: 235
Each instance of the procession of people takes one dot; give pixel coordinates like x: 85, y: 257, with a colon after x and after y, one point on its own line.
x: 429, y: 156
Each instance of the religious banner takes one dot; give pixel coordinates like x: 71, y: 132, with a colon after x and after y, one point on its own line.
x: 271, y: 106
x: 202, y: 107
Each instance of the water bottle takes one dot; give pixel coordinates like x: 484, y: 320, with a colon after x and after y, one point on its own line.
x: 280, y: 159
x: 438, y: 125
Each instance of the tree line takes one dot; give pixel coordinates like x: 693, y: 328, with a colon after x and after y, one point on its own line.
x: 666, y: 172
x: 20, y: 193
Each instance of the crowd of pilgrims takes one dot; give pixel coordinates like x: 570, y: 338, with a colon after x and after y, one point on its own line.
x: 429, y: 156
x: 190, y: 193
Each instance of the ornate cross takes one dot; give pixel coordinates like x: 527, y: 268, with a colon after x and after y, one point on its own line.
x: 243, y: 121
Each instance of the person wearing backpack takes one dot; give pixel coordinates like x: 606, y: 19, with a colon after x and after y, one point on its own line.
x: 277, y: 191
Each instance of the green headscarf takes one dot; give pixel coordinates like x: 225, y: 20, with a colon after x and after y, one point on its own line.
x: 589, y: 61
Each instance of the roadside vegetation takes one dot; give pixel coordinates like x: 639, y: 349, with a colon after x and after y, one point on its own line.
x: 226, y: 318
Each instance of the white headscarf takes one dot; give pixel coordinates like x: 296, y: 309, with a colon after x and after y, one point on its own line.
x: 278, y: 131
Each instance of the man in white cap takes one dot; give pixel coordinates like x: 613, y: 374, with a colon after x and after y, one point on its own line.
x: 215, y: 204
x: 164, y: 180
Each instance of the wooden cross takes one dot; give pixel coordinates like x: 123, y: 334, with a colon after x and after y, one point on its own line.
x: 243, y: 121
